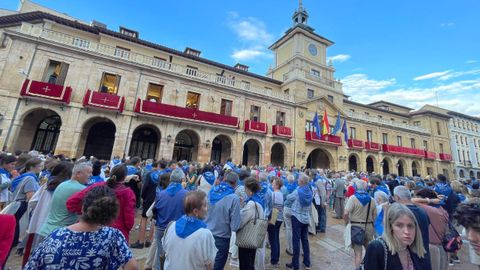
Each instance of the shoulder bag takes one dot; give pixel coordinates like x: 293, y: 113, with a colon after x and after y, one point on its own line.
x: 359, y: 234
x: 451, y: 241
x: 253, y: 233
x: 274, y: 214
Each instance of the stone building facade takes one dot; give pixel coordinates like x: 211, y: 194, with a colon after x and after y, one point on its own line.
x: 81, y: 89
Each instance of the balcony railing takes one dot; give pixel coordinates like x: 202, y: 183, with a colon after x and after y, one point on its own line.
x: 445, y: 157
x: 256, y: 127
x: 394, y: 149
x: 300, y: 74
x: 430, y: 155
x: 327, y: 139
x: 103, y: 101
x: 155, y: 63
x: 376, y: 120
x: 281, y: 131
x: 46, y: 91
x: 180, y: 113
x: 355, y: 144
x: 372, y: 146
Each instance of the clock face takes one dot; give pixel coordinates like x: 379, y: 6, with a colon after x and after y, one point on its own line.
x: 312, y: 49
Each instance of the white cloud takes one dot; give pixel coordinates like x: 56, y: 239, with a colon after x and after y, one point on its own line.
x: 356, y: 83
x: 447, y: 24
x: 432, y: 75
x: 471, y: 61
x: 452, y: 75
x: 340, y: 58
x: 252, y: 35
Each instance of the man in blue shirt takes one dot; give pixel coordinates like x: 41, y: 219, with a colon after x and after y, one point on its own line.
x: 169, y: 207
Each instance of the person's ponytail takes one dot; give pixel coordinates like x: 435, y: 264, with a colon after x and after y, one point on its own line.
x: 112, y: 181
x: 117, y: 175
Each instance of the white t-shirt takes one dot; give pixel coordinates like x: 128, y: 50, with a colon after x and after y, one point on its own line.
x: 4, y: 193
x: 193, y: 252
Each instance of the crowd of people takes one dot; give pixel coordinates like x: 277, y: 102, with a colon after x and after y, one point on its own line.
x: 60, y: 213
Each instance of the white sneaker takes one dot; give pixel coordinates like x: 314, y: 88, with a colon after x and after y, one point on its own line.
x: 234, y: 263
x: 137, y: 227
x: 148, y: 228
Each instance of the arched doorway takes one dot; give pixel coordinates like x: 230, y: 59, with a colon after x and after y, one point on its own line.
x: 461, y: 174
x: 415, y: 167
x: 370, y: 165
x: 186, y: 146
x: 251, y: 153
x: 352, y: 163
x: 221, y: 149
x: 385, y: 166
x: 100, y: 139
x: 472, y: 175
x: 39, y: 131
x: 401, y: 168
x: 318, y: 159
x: 144, y: 142
x: 277, y: 156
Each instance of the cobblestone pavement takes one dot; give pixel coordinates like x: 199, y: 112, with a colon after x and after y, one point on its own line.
x: 327, y: 251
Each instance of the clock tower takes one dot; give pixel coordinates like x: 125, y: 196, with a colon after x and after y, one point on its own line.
x: 301, y: 61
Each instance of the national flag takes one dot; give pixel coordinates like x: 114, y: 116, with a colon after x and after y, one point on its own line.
x: 338, y: 125
x: 325, y: 124
x: 345, y: 131
x: 316, y: 125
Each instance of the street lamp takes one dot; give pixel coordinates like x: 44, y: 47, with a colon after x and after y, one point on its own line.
x: 169, y: 138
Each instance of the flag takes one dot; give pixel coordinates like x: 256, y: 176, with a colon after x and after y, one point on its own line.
x: 345, y: 131
x: 338, y: 125
x: 316, y: 126
x: 325, y: 124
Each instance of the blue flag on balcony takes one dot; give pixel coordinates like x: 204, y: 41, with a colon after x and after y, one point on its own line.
x: 345, y: 131
x: 338, y: 125
x: 316, y: 125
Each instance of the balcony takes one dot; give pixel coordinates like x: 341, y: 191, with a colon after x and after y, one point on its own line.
x: 430, y: 155
x: 371, y: 146
x: 380, y: 121
x: 46, y: 91
x: 326, y: 139
x: 300, y: 74
x: 103, y: 101
x: 445, y: 157
x: 146, y: 60
x: 393, y: 149
x: 255, y: 127
x: 281, y: 131
x: 355, y: 144
x: 180, y: 113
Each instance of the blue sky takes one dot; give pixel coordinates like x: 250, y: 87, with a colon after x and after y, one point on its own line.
x: 404, y: 51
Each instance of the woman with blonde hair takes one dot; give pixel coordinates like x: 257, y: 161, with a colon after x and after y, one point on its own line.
x: 400, y: 246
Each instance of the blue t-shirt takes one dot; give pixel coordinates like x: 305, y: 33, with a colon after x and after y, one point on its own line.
x: 66, y: 249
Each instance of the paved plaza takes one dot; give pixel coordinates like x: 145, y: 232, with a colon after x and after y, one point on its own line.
x: 327, y: 251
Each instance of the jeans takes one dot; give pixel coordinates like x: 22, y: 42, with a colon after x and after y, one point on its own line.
x: 322, y: 218
x: 274, y: 239
x: 159, y: 235
x: 246, y: 258
x: 222, y: 244
x: 300, y: 234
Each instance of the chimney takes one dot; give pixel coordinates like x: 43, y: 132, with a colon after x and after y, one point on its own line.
x: 193, y: 52
x: 241, y: 67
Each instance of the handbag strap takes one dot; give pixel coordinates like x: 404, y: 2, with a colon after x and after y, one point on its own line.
x: 368, y: 213
x: 385, y: 251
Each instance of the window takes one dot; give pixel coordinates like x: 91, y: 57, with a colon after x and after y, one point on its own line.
x: 56, y: 72
x: 380, y: 117
x: 309, y: 126
x: 280, y: 118
x: 352, y: 110
x: 255, y: 113
x: 226, y: 107
x: 310, y: 93
x: 109, y: 83
x: 385, y: 138
x: 193, y: 100
x: 392, y: 119
x: 399, y: 140
x: 425, y: 145
x: 461, y: 139
x: 369, y: 136
x: 459, y: 157
x: 438, y: 129
x: 456, y: 139
x: 353, y: 133
x: 315, y: 72
x: 367, y: 113
x: 286, y: 91
x: 405, y: 122
x: 441, y: 147
x: 122, y: 52
x: 192, y: 71
x: 128, y: 32
x: 154, y: 92
x: 412, y: 143
x: 330, y: 98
